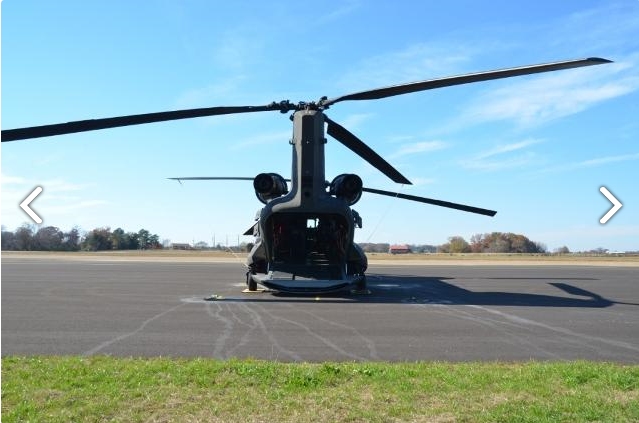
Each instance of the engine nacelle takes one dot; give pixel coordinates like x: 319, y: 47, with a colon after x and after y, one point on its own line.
x: 347, y: 187
x: 269, y: 186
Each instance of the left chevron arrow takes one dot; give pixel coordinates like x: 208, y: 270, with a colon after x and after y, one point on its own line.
x: 25, y: 204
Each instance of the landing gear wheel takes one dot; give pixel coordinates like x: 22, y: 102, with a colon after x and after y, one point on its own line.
x: 250, y: 282
x: 360, y: 285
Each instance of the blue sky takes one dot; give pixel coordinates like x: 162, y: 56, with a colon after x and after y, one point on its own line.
x: 534, y: 148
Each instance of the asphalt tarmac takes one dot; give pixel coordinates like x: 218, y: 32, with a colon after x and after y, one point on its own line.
x: 416, y: 312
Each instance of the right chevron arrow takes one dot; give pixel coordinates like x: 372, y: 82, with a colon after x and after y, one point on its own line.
x: 615, y: 208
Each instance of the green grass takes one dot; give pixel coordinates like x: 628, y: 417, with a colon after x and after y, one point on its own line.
x: 101, y: 389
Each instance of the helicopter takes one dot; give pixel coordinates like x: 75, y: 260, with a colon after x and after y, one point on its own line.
x: 304, y: 234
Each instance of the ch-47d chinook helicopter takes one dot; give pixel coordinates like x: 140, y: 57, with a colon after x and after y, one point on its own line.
x: 304, y: 235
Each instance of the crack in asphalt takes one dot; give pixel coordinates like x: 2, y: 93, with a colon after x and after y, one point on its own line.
x: 129, y: 334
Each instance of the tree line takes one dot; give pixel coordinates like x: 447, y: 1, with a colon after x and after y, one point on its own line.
x: 383, y: 247
x: 51, y: 238
x: 494, y: 242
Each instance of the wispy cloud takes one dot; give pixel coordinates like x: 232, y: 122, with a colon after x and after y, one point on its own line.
x: 54, y: 199
x: 9, y: 182
x: 353, y: 122
x: 599, y: 161
x: 59, y: 185
x: 417, y: 148
x: 550, y: 97
x: 611, y: 26
x: 239, y: 47
x: 345, y: 8
x: 512, y: 162
x: 508, y: 148
x: 501, y: 157
x: 261, y: 139
x: 210, y: 94
x: 12, y: 180
x: 417, y: 181
x: 413, y: 63
x: 63, y: 209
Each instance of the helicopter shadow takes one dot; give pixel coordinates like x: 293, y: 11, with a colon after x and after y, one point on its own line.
x: 437, y: 290
x: 393, y: 289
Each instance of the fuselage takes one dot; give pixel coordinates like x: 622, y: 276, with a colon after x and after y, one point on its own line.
x: 307, y: 234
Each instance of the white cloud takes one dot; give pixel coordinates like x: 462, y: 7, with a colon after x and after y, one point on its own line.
x: 53, y: 185
x: 599, y: 161
x: 59, y: 185
x: 345, y: 9
x: 610, y: 25
x: 401, y: 138
x: 239, y: 47
x: 500, y: 157
x: 413, y: 63
x: 352, y: 122
x: 12, y: 180
x: 606, y: 160
x: 216, y: 93
x: 511, y: 162
x: 418, y: 147
x: 63, y: 209
x: 417, y: 181
x: 52, y: 201
x: 261, y: 139
x: 507, y: 148
x: 545, y: 98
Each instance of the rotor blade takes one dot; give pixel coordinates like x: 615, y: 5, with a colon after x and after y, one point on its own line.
x: 251, y: 230
x: 217, y: 178
x: 440, y: 203
x: 213, y: 178
x: 344, y: 136
x: 464, y: 79
x: 114, y: 122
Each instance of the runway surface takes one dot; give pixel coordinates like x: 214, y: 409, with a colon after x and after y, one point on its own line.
x: 458, y: 313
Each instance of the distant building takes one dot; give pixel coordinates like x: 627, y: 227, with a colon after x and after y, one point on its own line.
x: 399, y: 249
x: 178, y: 246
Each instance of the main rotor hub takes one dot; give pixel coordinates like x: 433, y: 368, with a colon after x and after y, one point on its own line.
x: 286, y: 106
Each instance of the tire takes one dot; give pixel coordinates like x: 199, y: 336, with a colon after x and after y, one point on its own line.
x: 360, y: 285
x: 250, y: 282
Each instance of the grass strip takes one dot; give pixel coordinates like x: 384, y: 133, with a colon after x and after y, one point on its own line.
x: 104, y: 389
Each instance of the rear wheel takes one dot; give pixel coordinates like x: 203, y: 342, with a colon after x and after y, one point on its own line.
x: 360, y: 285
x: 250, y: 282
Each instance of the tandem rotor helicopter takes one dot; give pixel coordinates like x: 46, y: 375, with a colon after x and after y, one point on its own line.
x: 305, y: 232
